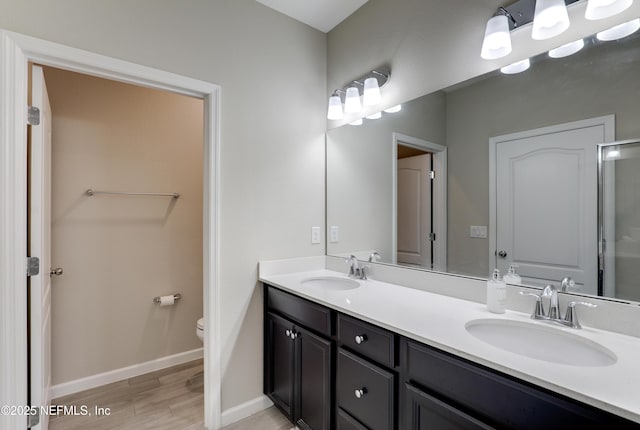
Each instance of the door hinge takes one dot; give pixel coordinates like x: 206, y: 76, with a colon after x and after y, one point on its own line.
x: 432, y: 237
x: 33, y: 116
x: 432, y: 174
x: 33, y: 266
x: 34, y: 420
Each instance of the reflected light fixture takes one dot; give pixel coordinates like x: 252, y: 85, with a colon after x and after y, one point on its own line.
x: 497, y: 39
x: 619, y: 31
x: 371, y: 95
x: 600, y: 9
x: 613, y: 153
x: 550, y: 19
x: 566, y: 50
x: 376, y: 115
x: 517, y: 67
x: 356, y: 122
x: 394, y: 109
x: 352, y: 100
x: 335, y: 107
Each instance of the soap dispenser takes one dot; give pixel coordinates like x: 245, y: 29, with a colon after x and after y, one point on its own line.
x: 512, y: 277
x: 496, y: 293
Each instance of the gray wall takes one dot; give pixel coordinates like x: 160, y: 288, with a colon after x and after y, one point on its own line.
x: 272, y: 160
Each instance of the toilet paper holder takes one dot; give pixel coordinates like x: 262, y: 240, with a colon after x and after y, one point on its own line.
x: 176, y: 297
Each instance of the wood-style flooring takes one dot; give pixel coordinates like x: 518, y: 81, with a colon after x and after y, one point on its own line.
x: 169, y: 399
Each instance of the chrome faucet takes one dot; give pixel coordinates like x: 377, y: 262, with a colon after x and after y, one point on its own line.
x: 355, y: 269
x: 553, y: 314
x: 374, y: 257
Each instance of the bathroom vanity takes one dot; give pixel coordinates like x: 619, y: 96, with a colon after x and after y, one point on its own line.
x: 383, y: 356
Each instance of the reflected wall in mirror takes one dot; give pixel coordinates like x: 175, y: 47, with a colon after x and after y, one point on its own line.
x: 519, y: 178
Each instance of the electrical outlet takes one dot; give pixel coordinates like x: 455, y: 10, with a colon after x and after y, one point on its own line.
x: 334, y: 234
x: 315, y: 235
x: 478, y: 231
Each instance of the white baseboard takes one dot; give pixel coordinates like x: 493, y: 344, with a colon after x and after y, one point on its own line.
x: 244, y: 410
x: 93, y: 381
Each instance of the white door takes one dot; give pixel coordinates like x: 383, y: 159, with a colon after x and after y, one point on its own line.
x: 546, y: 206
x: 414, y: 210
x: 40, y: 244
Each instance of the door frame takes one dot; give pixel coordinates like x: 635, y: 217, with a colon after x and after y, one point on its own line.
x: 16, y: 51
x: 607, y: 121
x: 439, y: 196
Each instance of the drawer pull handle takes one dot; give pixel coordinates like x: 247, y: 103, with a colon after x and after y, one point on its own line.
x: 360, y: 392
x: 361, y: 338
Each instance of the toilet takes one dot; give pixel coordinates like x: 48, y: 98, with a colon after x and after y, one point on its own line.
x: 200, y: 329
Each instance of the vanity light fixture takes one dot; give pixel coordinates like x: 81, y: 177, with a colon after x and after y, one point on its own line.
x: 550, y: 19
x: 394, y: 109
x: 619, y: 31
x: 376, y: 115
x: 517, y: 67
x: 371, y: 96
x: 600, y: 9
x: 497, y: 39
x: 567, y: 49
x: 352, y: 100
x: 335, y: 107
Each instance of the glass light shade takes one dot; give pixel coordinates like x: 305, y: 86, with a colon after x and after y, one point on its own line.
x: 550, y: 19
x: 371, y: 96
x: 335, y: 108
x: 394, y: 109
x: 619, y: 31
x: 375, y: 115
x: 352, y: 101
x: 356, y: 122
x: 600, y: 9
x: 518, y: 67
x: 566, y: 50
x: 497, y: 39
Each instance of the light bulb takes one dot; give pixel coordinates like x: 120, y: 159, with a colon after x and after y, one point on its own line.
x: 566, y: 50
x: 394, y: 109
x: 375, y: 115
x: 517, y: 67
x: 352, y: 101
x: 371, y: 96
x: 619, y: 31
x: 497, y: 39
x: 550, y: 19
x: 600, y: 9
x: 335, y: 108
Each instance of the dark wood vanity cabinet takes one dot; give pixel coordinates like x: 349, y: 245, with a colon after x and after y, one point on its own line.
x: 326, y: 370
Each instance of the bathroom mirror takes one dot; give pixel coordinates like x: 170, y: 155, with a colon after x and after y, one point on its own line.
x: 515, y: 165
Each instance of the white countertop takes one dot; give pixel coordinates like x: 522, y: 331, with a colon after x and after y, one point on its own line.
x: 439, y: 321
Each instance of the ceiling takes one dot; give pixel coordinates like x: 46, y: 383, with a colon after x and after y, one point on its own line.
x: 322, y: 15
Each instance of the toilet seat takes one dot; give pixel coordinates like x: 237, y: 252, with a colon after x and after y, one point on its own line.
x: 200, y: 324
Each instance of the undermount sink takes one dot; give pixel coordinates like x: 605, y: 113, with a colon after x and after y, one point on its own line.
x: 541, y: 342
x: 331, y: 283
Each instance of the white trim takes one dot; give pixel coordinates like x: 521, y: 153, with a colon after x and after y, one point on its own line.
x: 607, y: 121
x: 116, y: 375
x: 439, y: 196
x: 245, y: 410
x: 16, y: 50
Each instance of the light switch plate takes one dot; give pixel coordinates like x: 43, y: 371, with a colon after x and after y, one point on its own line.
x: 315, y: 235
x: 334, y: 234
x: 478, y: 231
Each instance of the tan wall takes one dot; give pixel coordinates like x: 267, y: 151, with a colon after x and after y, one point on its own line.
x: 120, y: 252
x: 272, y: 160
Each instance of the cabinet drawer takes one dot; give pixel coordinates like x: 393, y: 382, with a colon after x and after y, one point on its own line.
x: 374, y: 404
x: 497, y: 398
x: 303, y: 312
x: 347, y: 422
x: 371, y: 341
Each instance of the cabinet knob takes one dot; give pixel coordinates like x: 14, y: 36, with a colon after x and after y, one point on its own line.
x: 360, y: 392
x: 294, y: 335
x: 288, y: 333
x: 361, y: 338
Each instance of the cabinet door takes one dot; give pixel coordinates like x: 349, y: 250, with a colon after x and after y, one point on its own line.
x: 313, y: 357
x: 279, y: 346
x: 425, y: 412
